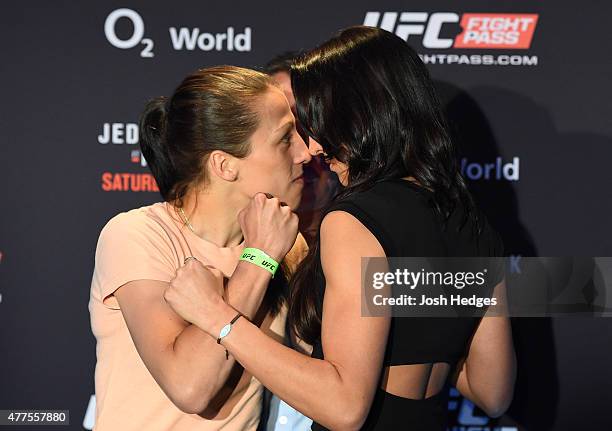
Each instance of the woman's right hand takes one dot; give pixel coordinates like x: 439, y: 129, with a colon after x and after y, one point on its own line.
x: 268, y: 226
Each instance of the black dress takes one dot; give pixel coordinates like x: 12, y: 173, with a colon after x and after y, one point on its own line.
x: 400, y: 215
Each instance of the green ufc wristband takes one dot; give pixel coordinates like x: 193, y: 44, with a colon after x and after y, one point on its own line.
x: 259, y: 258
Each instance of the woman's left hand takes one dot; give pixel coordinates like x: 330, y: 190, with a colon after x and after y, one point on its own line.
x: 196, y: 294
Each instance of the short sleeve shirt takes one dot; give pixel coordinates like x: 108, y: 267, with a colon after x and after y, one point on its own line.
x: 150, y: 243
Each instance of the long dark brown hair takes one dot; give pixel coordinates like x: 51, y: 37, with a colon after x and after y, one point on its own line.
x: 368, y: 99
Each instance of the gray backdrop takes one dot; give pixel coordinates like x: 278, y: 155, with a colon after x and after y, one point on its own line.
x: 535, y: 103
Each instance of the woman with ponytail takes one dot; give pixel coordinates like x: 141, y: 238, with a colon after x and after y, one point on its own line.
x: 228, y: 162
x: 369, y: 107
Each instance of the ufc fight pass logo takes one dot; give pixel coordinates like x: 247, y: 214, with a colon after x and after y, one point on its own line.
x: 477, y: 30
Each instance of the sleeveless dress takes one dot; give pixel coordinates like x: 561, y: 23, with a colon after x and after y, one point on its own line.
x: 400, y: 215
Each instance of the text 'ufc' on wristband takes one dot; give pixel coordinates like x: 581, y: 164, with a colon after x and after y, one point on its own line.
x: 259, y: 258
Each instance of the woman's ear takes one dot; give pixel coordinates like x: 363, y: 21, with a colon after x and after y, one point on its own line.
x: 223, y: 165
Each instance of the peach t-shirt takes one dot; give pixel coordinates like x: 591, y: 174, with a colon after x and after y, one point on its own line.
x: 151, y: 242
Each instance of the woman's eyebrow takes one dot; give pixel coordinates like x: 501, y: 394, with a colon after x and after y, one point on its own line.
x: 285, y: 127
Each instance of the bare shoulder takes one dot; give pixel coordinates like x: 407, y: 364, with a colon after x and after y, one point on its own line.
x: 344, y: 241
x: 344, y: 229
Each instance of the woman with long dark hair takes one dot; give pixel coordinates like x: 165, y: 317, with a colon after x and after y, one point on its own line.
x: 368, y: 105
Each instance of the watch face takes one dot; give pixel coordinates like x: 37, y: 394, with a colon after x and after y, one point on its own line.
x: 225, y: 330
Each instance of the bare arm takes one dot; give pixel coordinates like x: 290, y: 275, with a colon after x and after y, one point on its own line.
x: 487, y: 375
x: 338, y: 390
x: 185, y: 361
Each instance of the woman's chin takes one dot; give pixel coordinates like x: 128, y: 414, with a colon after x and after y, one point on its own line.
x: 294, y: 195
x: 342, y: 178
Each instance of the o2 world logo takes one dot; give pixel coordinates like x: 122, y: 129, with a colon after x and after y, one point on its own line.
x: 182, y: 38
x: 478, y: 30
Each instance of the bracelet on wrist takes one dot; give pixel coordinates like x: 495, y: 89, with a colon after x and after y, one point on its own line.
x: 259, y: 258
x: 227, y: 329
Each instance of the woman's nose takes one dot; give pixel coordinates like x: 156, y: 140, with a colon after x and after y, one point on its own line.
x: 314, y: 147
x: 304, y: 153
